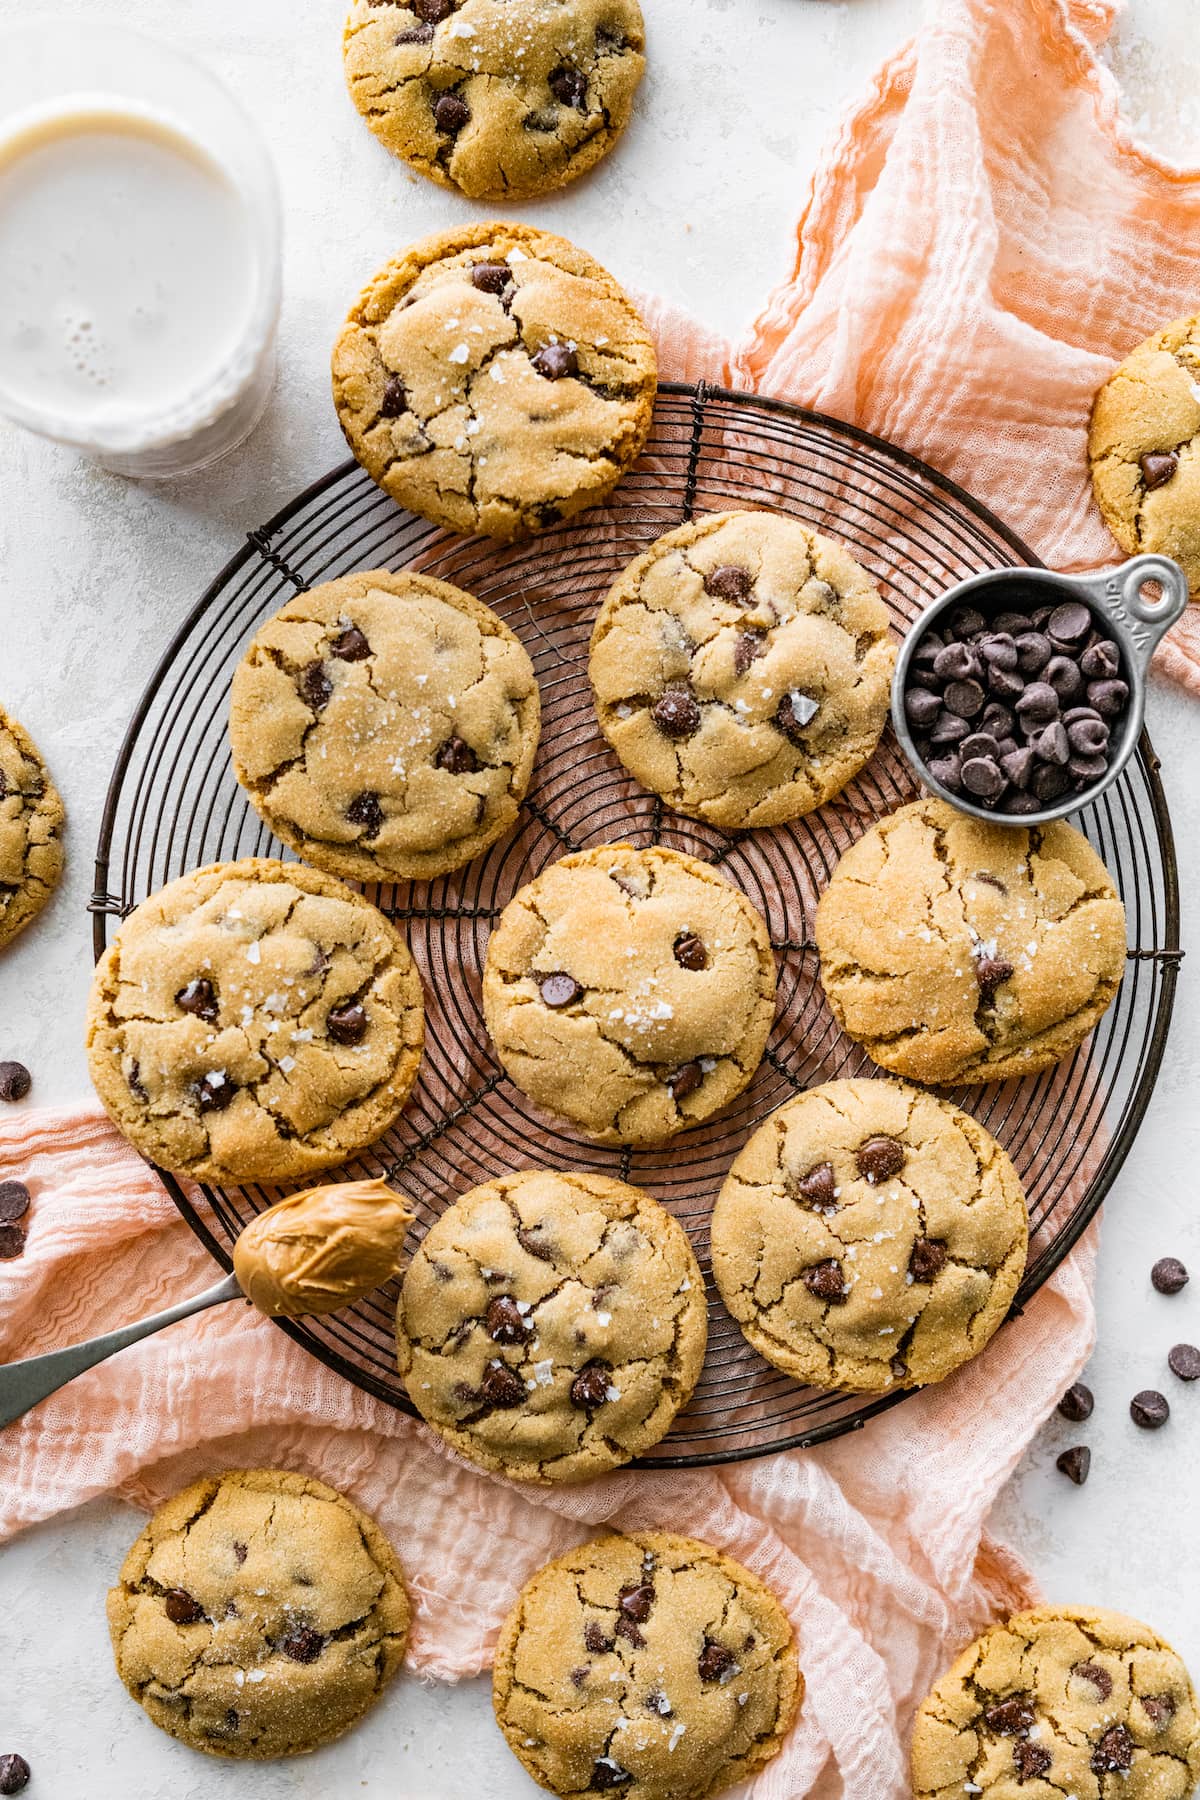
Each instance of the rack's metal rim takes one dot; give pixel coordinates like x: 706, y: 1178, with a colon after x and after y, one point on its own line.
x: 258, y: 544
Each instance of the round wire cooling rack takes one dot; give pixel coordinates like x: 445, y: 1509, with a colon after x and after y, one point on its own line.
x: 173, y: 805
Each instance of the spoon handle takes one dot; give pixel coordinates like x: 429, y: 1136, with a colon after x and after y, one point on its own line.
x: 24, y: 1384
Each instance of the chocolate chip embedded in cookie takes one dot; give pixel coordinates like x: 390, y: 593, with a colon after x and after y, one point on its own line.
x: 259, y: 1614
x: 651, y: 1666
x: 385, y: 726
x: 1072, y: 1700
x: 209, y: 1024
x: 595, y: 1016
x: 955, y: 950
x: 869, y: 1236
x: 489, y: 407
x: 31, y: 824
x: 741, y: 668
x: 1144, y: 448
x: 500, y: 101
x: 584, y: 1293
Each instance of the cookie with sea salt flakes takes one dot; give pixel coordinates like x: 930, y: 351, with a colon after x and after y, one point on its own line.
x: 259, y: 1614
x: 494, y: 378
x: 1057, y: 1701
x: 502, y: 99
x: 742, y: 667
x: 551, y: 1326
x: 31, y: 825
x: 385, y: 726
x: 630, y: 992
x: 648, y: 1665
x: 869, y: 1236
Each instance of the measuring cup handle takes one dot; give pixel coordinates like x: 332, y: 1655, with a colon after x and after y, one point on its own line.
x: 1138, y: 621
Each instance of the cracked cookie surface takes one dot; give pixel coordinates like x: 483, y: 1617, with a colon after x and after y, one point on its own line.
x: 956, y: 951
x: 502, y: 99
x: 385, y: 725
x: 869, y: 1236
x: 259, y: 1614
x: 630, y: 992
x: 648, y: 1665
x: 1144, y: 448
x: 495, y: 379
x: 552, y: 1325
x: 1060, y: 1701
x: 742, y: 667
x: 31, y: 823
x: 253, y: 1021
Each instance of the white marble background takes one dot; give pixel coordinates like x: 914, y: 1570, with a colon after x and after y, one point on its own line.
x: 95, y: 572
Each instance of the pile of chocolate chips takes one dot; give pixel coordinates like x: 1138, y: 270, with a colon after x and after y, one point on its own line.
x: 1016, y: 712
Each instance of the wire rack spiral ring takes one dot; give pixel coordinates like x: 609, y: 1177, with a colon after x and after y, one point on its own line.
x: 173, y: 805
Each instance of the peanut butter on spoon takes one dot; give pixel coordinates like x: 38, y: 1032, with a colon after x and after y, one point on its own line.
x: 321, y: 1249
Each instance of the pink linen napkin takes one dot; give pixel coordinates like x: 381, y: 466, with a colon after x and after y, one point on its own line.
x: 982, y: 242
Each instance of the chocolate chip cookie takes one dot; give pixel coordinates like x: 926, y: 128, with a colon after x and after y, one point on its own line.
x: 1144, y: 448
x: 551, y: 1326
x: 253, y: 1021
x: 1061, y: 1700
x: 869, y: 1236
x: 955, y: 951
x: 31, y: 823
x: 649, y: 1665
x: 502, y: 99
x: 494, y: 379
x: 385, y: 726
x: 630, y: 992
x: 259, y: 1614
x: 742, y: 668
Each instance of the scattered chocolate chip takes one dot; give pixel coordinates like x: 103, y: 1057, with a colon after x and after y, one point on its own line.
x: 590, y: 1387
x: 795, y: 712
x: 500, y: 1387
x: 818, y: 1188
x: 635, y: 1602
x: 347, y: 1024
x: 1114, y: 1752
x: 1169, y: 1275
x: 214, y: 1091
x: 690, y: 952
x: 14, y: 1201
x: 1010, y: 1718
x: 366, y: 811
x: 1182, y: 1360
x: 181, y: 1607
x: 559, y: 989
x: 596, y: 1638
x: 1077, y: 1403
x: 504, y: 1322
x: 928, y: 1259
x: 826, y: 1281
x: 450, y: 112
x: 302, y: 1644
x: 1030, y: 1760
x: 1160, y: 1709
x: 15, y: 1081
x: 1158, y: 467
x: 14, y: 1773
x: 314, y: 685
x: 676, y: 713
x: 456, y: 757
x: 750, y: 646
x: 554, y: 362
x: 490, y: 277
x: 608, y: 1774
x: 715, y: 1661
x: 684, y: 1080
x: 729, y: 582
x: 199, y: 998
x: 1149, y: 1409
x: 879, y: 1158
x: 1075, y: 1463
x: 12, y: 1241
x: 395, y: 396
x: 1095, y: 1677
x: 568, y: 85
x: 991, y: 972
x: 350, y: 645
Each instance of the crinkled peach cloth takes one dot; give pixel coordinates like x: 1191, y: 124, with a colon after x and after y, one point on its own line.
x: 981, y: 243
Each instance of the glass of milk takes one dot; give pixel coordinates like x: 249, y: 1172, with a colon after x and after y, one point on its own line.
x: 139, y: 250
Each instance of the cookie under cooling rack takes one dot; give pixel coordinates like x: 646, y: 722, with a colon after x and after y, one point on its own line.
x: 174, y: 804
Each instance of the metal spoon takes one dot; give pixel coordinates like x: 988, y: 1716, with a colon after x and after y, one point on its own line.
x: 24, y: 1384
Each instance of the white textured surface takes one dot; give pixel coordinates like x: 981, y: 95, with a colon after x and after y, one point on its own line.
x: 95, y: 572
